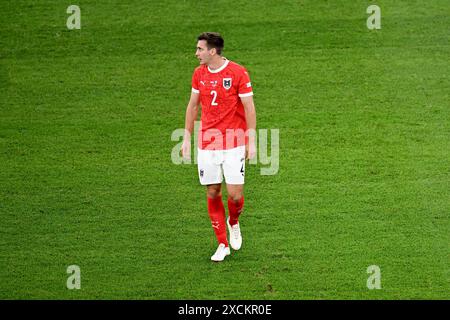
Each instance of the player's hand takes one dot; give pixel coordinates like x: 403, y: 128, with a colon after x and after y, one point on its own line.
x: 250, y: 151
x: 186, y: 150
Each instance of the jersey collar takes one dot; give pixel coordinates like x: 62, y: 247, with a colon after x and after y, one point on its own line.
x: 221, y: 68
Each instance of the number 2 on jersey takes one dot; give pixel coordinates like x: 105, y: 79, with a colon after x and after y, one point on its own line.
x: 214, y: 93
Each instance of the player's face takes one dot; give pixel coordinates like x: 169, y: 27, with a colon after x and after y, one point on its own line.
x: 203, y: 54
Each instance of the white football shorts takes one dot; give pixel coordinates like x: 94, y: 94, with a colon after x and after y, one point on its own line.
x: 214, y: 164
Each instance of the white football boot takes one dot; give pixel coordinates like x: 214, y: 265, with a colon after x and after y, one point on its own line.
x: 220, y: 253
x: 235, y: 235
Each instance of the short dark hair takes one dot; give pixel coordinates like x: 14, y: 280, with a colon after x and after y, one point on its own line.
x: 213, y: 40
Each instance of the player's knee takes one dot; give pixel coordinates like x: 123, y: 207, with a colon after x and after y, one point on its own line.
x: 213, y: 193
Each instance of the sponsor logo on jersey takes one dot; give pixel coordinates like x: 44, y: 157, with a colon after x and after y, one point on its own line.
x: 227, y: 83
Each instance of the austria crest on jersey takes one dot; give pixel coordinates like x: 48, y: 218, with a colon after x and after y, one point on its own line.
x: 227, y: 83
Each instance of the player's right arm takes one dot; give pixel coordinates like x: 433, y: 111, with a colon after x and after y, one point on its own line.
x: 191, y: 115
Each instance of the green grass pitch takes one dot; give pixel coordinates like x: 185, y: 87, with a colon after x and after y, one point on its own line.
x: 87, y: 179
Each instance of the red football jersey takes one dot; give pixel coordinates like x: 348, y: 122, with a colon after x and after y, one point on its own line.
x: 223, y: 123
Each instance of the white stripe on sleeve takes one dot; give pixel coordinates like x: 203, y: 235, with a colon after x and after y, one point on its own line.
x: 243, y: 95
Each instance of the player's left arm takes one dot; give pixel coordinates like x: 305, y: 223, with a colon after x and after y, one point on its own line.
x: 250, y: 117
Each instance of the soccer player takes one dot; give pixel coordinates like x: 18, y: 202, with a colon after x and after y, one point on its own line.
x: 226, y: 135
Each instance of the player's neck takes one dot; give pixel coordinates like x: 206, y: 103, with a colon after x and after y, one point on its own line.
x: 217, y: 63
